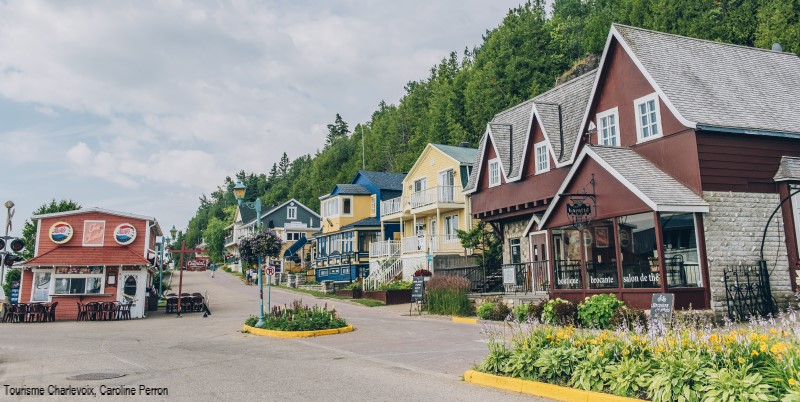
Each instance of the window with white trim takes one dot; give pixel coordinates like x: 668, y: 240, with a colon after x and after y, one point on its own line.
x: 291, y: 213
x: 78, y: 280
x: 494, y: 172
x: 648, y: 119
x: 292, y: 236
x: 607, y: 128
x: 542, y: 159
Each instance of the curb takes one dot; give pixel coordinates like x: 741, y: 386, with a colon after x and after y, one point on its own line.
x: 295, y: 334
x: 465, y: 320
x: 536, y: 388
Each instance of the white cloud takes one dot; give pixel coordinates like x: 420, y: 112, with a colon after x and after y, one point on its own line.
x: 145, y: 96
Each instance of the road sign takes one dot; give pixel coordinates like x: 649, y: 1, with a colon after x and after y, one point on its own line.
x: 270, y: 271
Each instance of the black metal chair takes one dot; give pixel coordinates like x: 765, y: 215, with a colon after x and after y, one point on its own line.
x: 8, y: 312
x: 83, y: 314
x: 20, y: 313
x: 125, y: 312
x: 51, y: 312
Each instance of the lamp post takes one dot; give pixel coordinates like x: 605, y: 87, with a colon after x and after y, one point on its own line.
x: 164, y: 241
x: 238, y: 192
x: 9, y: 214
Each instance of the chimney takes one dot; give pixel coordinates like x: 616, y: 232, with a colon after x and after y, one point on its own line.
x: 776, y: 47
x: 464, y: 144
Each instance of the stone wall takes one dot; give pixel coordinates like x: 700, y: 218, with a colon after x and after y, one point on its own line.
x: 512, y: 230
x: 733, y: 229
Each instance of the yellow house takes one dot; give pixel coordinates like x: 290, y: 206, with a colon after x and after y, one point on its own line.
x: 430, y: 210
x: 351, y: 223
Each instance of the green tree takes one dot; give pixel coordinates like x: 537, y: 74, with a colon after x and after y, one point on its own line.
x: 338, y: 129
x: 283, y: 166
x: 480, y: 238
x: 29, y: 230
x: 214, y: 236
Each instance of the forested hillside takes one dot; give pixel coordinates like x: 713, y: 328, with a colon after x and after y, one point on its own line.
x: 517, y: 60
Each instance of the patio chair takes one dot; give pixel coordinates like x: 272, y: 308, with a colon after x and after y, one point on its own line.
x: 92, y: 310
x: 109, y: 311
x: 125, y: 311
x: 51, y: 312
x: 20, y: 313
x: 172, y: 305
x: 83, y: 315
x: 8, y: 312
x: 197, y: 303
x: 186, y: 304
x: 36, y: 312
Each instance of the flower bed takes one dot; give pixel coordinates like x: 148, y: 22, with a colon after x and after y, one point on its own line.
x: 299, y: 317
x: 755, y: 361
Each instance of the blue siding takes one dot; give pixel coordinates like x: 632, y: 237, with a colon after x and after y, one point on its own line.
x: 279, y: 217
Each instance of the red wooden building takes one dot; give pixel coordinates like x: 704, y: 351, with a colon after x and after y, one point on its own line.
x: 90, y: 255
x: 682, y: 150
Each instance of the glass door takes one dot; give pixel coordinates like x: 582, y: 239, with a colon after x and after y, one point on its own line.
x: 446, y: 186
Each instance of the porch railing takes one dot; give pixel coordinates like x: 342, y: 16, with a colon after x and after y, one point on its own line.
x: 533, y: 276
x: 392, y: 206
x: 384, y: 248
x: 435, y: 244
x: 440, y: 194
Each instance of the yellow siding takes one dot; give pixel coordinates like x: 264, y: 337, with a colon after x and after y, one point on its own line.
x: 361, y: 209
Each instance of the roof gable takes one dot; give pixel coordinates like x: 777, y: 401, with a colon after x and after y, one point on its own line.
x: 381, y: 180
x: 475, y: 176
x: 280, y: 207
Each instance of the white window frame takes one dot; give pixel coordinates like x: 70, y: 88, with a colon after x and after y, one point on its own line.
x: 290, y: 236
x: 639, y: 128
x: 600, y: 127
x: 352, y: 206
x: 451, y: 226
x: 494, y: 164
x: 291, y: 213
x: 55, y: 277
x: 541, y: 149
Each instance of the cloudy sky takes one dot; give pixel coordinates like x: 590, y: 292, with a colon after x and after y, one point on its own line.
x: 144, y: 106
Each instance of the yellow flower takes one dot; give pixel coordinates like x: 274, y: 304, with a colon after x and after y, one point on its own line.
x: 741, y: 360
x: 773, y: 331
x: 754, y: 353
x: 762, y: 347
x: 626, y: 352
x: 792, y: 381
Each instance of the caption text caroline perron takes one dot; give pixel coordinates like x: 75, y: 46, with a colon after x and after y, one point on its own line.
x: 70, y: 390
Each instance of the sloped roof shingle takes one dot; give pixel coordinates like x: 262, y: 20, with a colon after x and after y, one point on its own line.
x: 464, y: 155
x: 789, y: 169
x: 718, y: 84
x: 572, y: 96
x: 385, y: 180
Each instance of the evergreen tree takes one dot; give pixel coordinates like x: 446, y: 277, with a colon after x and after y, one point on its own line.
x: 338, y: 129
x: 283, y: 167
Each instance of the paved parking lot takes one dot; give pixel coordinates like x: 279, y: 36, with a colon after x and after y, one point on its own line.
x: 390, y: 356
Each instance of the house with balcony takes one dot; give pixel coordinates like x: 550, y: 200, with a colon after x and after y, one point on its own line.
x: 522, y: 159
x: 351, y: 222
x: 429, y: 212
x: 292, y: 221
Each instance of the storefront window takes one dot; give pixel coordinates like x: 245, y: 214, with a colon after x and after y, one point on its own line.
x: 567, y: 258
x: 79, y: 280
x: 681, y: 258
x: 601, y: 255
x: 638, y: 250
x: 515, y: 254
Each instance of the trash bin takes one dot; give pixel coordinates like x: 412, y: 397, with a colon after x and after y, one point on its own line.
x: 152, y: 303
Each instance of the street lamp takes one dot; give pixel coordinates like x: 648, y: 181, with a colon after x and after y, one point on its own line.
x: 9, y: 204
x: 238, y: 192
x: 164, y: 241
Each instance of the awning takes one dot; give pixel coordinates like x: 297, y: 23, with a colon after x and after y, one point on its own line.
x: 292, y: 250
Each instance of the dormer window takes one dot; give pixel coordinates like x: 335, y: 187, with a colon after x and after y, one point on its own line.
x: 542, y: 160
x: 648, y: 119
x: 607, y: 131
x: 494, y: 172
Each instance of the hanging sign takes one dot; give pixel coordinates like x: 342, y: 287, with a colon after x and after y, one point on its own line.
x: 60, y: 232
x: 125, y: 234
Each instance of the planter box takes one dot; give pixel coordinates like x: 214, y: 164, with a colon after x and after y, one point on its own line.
x: 389, y: 296
x: 351, y: 293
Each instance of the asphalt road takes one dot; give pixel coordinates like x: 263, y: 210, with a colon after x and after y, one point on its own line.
x: 390, y: 356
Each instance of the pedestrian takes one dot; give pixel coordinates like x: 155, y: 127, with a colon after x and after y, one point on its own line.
x: 213, y: 269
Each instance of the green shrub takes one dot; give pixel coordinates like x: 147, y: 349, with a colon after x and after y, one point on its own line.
x: 396, y: 285
x: 732, y: 385
x: 485, y: 310
x: 299, y: 317
x: 521, y: 312
x: 596, y: 311
x: 501, y: 312
x: 629, y: 377
x: 448, y: 295
x: 559, y: 311
x: 357, y: 285
x: 628, y: 318
x: 556, y: 364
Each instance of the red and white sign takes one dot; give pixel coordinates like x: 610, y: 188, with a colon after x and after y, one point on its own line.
x: 270, y: 271
x: 196, y: 265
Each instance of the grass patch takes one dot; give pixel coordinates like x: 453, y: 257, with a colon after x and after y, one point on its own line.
x: 369, y: 302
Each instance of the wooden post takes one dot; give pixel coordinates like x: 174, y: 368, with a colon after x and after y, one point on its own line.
x: 183, y: 252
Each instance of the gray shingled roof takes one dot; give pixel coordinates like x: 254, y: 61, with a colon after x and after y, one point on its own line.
x: 352, y: 189
x: 572, y: 96
x: 473, y: 176
x: 789, y: 169
x: 464, y: 155
x: 510, y: 129
x: 656, y: 185
x: 385, y: 180
x: 366, y: 222
x: 248, y: 214
x: 721, y: 85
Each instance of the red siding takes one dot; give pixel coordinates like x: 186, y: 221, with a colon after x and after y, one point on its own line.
x: 26, y: 286
x: 676, y: 155
x: 488, y: 154
x: 613, y: 198
x: 112, y: 221
x: 531, y: 193
x: 741, y: 162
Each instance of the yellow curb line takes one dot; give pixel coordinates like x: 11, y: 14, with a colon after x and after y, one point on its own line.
x: 295, y: 334
x: 465, y: 320
x: 536, y: 388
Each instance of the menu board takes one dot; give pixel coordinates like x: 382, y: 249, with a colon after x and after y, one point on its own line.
x: 418, y: 288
